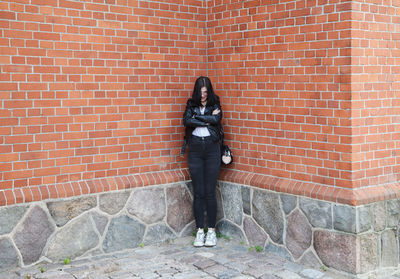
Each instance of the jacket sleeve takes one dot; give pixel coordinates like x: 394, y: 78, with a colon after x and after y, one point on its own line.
x: 189, y: 119
x: 211, y: 119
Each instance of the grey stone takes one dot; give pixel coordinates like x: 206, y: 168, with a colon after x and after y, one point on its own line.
x: 179, y: 203
x: 336, y: 250
x: 254, y: 233
x: 309, y: 259
x: 317, y: 212
x: 64, y: 211
x: 298, y: 234
x: 246, y: 200
x: 289, y: 203
x: 100, y: 220
x: 229, y: 229
x: 267, y: 213
x: 8, y: 256
x: 112, y: 203
x: 73, y: 240
x: 189, y: 185
x: 220, y: 208
x: 9, y: 217
x: 390, y: 256
x: 344, y: 218
x: 368, y: 252
x: 287, y: 274
x: 393, y: 213
x: 189, y: 229
x: 158, y: 233
x: 364, y: 219
x: 148, y: 205
x: 232, y: 202
x: 379, y: 216
x: 312, y: 274
x: 31, y: 236
x: 123, y: 233
x: 278, y: 250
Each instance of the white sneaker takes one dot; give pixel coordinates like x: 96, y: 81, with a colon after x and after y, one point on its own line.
x: 199, y: 241
x: 211, y: 239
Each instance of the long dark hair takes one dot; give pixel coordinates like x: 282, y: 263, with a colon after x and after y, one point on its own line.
x: 212, y: 98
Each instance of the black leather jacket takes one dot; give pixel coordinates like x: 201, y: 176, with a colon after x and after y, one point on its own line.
x: 192, y: 118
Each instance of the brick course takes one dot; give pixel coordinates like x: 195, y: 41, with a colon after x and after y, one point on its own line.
x: 93, y: 93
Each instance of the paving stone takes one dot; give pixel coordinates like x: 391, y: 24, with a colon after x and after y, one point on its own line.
x: 286, y: 274
x: 221, y: 271
x: 312, y: 274
x: 204, y: 263
x: 178, y: 261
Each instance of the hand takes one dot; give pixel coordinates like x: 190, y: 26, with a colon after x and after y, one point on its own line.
x: 216, y: 111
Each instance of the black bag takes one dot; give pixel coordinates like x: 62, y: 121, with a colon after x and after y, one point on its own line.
x: 226, y: 155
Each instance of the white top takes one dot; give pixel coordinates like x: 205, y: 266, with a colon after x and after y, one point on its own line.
x: 201, y: 131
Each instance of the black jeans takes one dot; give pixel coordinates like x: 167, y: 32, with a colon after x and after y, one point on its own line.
x: 204, y: 165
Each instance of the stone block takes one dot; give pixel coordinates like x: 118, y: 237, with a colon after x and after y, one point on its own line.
x: 319, y: 213
x: 344, y: 218
x: 336, y: 250
x: 268, y: 214
x: 390, y: 251
x: 367, y: 252
x: 64, y: 211
x: 289, y: 203
x: 254, y: 233
x: 8, y: 256
x: 232, y: 202
x: 364, y: 219
x: 147, y: 204
x: 298, y: 234
x: 113, y: 202
x: 309, y: 259
x: 31, y: 236
x: 100, y: 221
x: 158, y: 233
x: 379, y: 216
x: 229, y: 229
x: 393, y: 213
x: 123, y: 233
x: 246, y: 200
x: 80, y: 236
x: 180, y: 204
x: 10, y: 216
x: 278, y: 250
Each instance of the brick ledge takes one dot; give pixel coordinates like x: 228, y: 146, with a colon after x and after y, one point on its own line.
x: 354, y: 197
x: 78, y: 188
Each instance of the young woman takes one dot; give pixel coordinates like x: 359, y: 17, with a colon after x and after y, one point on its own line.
x: 202, y: 119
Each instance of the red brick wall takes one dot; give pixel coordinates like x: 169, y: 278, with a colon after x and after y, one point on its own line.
x: 94, y: 89
x: 309, y: 94
x: 92, y: 94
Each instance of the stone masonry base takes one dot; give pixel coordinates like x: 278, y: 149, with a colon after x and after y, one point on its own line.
x: 357, y: 241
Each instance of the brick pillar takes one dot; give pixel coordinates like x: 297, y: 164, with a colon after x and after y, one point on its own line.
x: 310, y: 95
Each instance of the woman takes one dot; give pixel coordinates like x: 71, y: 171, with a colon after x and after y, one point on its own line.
x: 202, y: 119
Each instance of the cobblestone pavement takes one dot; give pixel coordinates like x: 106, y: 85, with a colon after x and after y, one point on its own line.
x: 176, y: 260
